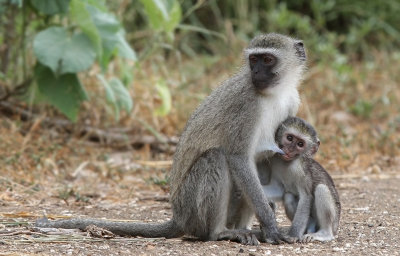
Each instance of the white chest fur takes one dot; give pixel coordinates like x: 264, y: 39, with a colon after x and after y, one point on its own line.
x: 274, y: 111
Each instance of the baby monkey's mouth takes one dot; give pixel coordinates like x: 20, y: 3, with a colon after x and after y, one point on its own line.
x: 288, y: 157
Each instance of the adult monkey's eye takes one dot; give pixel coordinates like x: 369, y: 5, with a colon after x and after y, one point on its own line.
x: 253, y: 59
x: 268, y: 59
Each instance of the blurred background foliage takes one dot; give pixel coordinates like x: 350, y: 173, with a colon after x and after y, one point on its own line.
x: 181, y: 50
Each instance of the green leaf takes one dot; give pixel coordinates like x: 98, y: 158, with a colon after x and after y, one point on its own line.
x: 63, y: 54
x: 106, y: 23
x: 124, y: 49
x: 165, y: 95
x: 110, y: 96
x: 163, y: 15
x: 51, y: 7
x: 117, y: 95
x: 104, y: 30
x: 156, y: 12
x: 81, y: 16
x: 122, y: 95
x: 65, y: 92
x: 108, y: 28
x: 175, y: 15
x: 99, y: 4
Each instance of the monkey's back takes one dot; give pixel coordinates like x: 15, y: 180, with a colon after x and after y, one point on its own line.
x: 214, y: 124
x: 321, y: 176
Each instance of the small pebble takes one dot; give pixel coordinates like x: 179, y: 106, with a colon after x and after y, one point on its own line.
x: 337, y: 249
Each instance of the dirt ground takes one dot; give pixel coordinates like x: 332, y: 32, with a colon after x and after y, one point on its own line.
x: 370, y: 221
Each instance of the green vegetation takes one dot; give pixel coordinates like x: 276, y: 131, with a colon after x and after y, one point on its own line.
x: 78, y: 56
x: 68, y: 36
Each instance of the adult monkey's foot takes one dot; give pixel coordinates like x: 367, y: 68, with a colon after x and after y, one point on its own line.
x: 243, y: 236
x: 276, y: 238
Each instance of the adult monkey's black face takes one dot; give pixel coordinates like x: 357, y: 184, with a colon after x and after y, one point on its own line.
x: 261, y: 66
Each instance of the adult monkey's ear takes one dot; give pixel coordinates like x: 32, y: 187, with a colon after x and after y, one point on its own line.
x: 300, y: 51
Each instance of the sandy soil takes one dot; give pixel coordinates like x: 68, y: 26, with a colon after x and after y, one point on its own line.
x: 370, y: 223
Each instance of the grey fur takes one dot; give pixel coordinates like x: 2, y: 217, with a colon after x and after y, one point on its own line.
x: 309, y: 195
x: 215, y: 190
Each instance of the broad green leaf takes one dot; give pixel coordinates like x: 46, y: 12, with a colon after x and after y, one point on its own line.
x: 163, y: 15
x: 62, y: 53
x: 165, y: 95
x: 116, y: 45
x: 156, y: 12
x: 106, y: 23
x: 122, y: 95
x: 175, y: 15
x: 81, y: 16
x: 65, y: 92
x: 117, y: 95
x: 124, y: 49
x: 110, y: 96
x: 109, y: 92
x: 51, y: 7
x: 107, y: 26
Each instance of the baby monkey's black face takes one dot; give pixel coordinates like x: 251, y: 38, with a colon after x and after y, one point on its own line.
x: 261, y: 66
x: 293, y: 146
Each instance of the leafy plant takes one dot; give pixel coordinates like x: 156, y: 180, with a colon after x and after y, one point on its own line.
x: 64, y: 91
x: 71, y: 36
x: 62, y: 53
x: 163, y: 16
x: 117, y: 95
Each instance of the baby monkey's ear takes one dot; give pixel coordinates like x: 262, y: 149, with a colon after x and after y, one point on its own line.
x: 315, y: 147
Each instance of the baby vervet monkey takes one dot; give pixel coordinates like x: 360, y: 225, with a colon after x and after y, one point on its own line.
x: 309, y: 195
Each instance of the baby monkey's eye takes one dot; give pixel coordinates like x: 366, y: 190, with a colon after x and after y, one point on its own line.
x: 289, y: 137
x: 300, y: 144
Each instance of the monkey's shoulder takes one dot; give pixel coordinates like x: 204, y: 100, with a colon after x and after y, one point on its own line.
x: 316, y: 170
x: 318, y: 174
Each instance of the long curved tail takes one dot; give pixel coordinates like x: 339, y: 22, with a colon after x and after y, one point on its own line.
x: 167, y: 229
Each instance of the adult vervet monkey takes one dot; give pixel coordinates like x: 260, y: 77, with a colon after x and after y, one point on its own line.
x: 214, y: 183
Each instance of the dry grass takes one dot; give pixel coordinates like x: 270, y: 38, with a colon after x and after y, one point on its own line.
x: 356, y: 114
